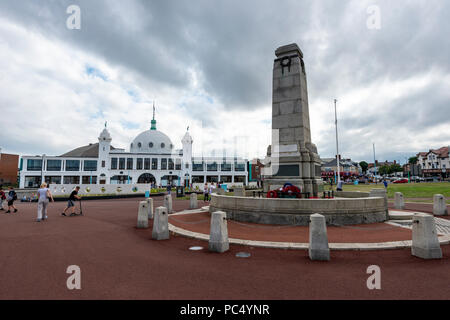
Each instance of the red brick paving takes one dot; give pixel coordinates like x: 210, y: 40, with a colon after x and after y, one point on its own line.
x: 119, y: 261
x: 366, y: 233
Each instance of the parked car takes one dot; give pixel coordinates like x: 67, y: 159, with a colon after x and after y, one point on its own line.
x: 403, y: 180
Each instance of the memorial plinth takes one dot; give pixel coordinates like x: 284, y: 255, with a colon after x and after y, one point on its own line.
x: 293, y: 157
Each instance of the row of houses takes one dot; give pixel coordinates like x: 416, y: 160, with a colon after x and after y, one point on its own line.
x: 435, y: 162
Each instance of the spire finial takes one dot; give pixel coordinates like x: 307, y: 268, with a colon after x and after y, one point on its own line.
x: 106, y: 124
x: 153, y: 122
x: 153, y: 109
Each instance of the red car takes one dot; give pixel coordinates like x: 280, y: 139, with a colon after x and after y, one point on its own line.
x: 401, y: 181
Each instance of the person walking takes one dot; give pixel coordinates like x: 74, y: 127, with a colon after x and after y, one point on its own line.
x: 205, y: 192
x: 211, y: 190
x: 2, y: 198
x: 385, y: 184
x: 44, y: 197
x: 339, y: 185
x: 71, y: 203
x: 12, y: 196
x: 169, y: 189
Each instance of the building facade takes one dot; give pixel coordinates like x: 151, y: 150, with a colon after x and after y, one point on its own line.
x: 151, y: 159
x: 9, y: 164
x: 347, y: 168
x: 435, y: 162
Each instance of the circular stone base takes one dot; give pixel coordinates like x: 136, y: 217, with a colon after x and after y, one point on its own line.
x: 296, y: 212
x: 400, y: 215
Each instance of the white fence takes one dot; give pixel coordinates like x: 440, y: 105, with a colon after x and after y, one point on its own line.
x: 99, y: 189
x: 201, y: 186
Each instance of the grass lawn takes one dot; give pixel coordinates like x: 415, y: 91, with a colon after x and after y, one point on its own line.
x: 423, y: 190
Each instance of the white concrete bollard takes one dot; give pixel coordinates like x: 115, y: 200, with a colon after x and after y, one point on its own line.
x: 218, y: 238
x: 439, y: 205
x: 161, y: 224
x: 318, y: 238
x: 168, y: 202
x: 425, y: 242
x: 193, y: 203
x: 150, y: 208
x: 399, y: 201
x: 142, y: 220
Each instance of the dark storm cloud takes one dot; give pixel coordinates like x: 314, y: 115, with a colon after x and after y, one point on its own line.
x: 230, y: 44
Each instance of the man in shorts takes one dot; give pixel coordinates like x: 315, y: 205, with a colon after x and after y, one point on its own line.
x: 71, y: 202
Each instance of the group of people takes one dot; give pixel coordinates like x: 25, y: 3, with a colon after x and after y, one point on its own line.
x: 10, y: 197
x: 44, y: 196
x: 208, y: 190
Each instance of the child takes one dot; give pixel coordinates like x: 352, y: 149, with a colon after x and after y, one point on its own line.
x: 205, y: 192
x: 12, y: 196
x: 2, y: 197
x: 71, y: 202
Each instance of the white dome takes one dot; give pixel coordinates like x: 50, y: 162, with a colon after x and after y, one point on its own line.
x: 152, y: 141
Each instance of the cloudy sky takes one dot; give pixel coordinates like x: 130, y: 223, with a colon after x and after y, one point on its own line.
x: 208, y: 65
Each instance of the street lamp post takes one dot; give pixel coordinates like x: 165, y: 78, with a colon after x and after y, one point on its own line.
x: 374, y: 164
x: 42, y: 168
x: 337, y: 145
x: 409, y: 171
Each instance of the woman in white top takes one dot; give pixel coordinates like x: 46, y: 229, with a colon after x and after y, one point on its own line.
x: 44, y: 196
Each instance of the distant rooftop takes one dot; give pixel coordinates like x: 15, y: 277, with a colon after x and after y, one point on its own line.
x: 89, y: 151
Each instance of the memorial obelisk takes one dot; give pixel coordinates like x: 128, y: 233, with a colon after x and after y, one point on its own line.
x: 292, y: 156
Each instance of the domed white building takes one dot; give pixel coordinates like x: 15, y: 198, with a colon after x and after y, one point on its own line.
x: 152, y: 159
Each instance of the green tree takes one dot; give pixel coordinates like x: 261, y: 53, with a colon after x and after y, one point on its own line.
x: 364, y: 166
x: 383, y: 170
x: 395, y: 168
x: 413, y: 160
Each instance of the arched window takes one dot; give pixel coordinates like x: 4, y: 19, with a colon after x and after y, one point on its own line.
x: 150, y: 144
x: 163, y: 145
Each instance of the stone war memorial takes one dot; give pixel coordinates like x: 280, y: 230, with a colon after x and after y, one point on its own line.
x: 292, y: 156
x: 292, y: 159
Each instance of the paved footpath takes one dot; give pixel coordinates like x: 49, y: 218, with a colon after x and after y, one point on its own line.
x: 118, y: 261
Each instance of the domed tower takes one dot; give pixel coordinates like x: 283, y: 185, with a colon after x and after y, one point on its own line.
x: 152, y: 141
x: 104, y: 147
x: 187, y: 155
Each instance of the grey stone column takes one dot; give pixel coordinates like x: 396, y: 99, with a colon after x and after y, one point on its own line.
x: 168, y: 202
x: 150, y: 207
x: 425, y: 242
x: 399, y: 201
x: 161, y: 224
x: 318, y: 238
x: 218, y: 238
x: 193, y: 203
x: 439, y: 205
x: 292, y: 153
